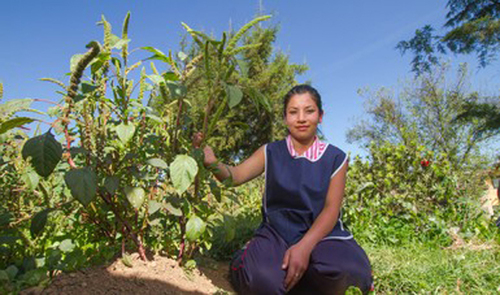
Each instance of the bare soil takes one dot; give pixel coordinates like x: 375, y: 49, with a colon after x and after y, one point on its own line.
x: 161, y: 275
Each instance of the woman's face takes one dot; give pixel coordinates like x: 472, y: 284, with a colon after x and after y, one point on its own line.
x: 302, y: 116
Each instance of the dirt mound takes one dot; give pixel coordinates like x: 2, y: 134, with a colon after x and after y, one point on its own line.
x: 159, y: 276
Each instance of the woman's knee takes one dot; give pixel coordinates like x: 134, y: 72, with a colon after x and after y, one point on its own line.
x: 342, y: 277
x: 257, y: 281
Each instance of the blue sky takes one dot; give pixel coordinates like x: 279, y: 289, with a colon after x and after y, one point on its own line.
x: 347, y: 44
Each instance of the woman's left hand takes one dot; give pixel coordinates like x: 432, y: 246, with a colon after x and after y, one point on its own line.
x: 295, y: 261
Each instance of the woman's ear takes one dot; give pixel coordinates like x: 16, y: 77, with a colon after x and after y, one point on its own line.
x: 321, y: 117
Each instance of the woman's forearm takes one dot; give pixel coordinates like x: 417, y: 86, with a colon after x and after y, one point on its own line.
x: 221, y: 171
x: 249, y: 169
x: 322, y: 226
x: 327, y: 218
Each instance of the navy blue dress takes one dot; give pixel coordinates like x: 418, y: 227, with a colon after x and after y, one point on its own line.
x: 296, y: 190
x: 295, y: 193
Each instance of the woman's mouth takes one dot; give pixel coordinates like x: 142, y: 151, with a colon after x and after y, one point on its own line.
x: 302, y: 128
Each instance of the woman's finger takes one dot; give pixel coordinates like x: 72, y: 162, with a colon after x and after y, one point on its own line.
x: 197, y: 139
x: 286, y: 258
x: 292, y: 277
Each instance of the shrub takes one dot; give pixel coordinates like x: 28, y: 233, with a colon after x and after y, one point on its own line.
x: 405, y: 193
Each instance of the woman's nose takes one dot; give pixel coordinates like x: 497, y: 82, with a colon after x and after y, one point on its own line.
x: 301, y: 116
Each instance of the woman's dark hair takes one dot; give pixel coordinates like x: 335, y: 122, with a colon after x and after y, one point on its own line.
x: 301, y: 89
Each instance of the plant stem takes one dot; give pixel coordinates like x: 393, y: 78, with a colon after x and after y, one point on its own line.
x: 138, y: 243
x: 183, y: 242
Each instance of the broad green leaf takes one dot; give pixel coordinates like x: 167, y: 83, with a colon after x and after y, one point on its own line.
x: 182, y: 56
x: 38, y: 222
x: 234, y: 95
x: 215, y: 190
x: 45, y: 153
x: 53, y: 258
x: 157, y: 54
x: 99, y: 61
x: 170, y: 76
x: 127, y: 260
x: 4, y: 276
x: 176, y: 89
x: 174, y: 211
x: 194, y: 228
x: 34, y: 277
x: 31, y: 179
x: 243, y: 65
x: 87, y: 87
x: 157, y: 79
x: 40, y: 262
x: 113, y: 40
x: 111, y: 184
x: 122, y: 42
x: 74, y: 61
x: 259, y: 99
x: 66, y: 246
x: 125, y: 132
x: 82, y: 183
x: 13, y: 123
x: 12, y: 271
x: 78, y: 98
x: 135, y: 195
x: 198, y: 155
x: 182, y: 172
x: 157, y: 162
x: 154, y: 206
x: 190, y: 264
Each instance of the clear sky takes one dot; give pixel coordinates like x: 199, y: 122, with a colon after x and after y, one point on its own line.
x: 347, y: 44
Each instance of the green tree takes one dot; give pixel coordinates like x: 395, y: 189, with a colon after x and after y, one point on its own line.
x: 263, y: 75
x: 425, y: 112
x: 472, y: 26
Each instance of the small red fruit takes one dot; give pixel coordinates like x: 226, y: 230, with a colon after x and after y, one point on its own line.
x: 424, y: 163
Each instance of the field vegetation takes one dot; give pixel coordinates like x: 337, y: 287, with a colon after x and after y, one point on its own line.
x: 111, y: 170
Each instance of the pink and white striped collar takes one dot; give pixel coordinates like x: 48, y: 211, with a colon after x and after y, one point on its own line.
x: 313, y: 153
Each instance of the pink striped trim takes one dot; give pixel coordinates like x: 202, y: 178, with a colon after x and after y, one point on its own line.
x: 313, y: 153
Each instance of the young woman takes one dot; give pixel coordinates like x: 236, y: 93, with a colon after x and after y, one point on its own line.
x: 302, y: 246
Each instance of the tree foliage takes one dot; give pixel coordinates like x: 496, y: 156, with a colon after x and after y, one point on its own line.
x: 426, y: 112
x: 472, y: 26
x: 263, y: 75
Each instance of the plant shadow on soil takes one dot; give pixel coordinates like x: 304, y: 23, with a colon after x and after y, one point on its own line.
x: 161, y: 275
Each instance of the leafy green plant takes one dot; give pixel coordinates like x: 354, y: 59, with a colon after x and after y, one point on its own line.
x: 116, y: 169
x: 131, y: 166
x: 406, y: 193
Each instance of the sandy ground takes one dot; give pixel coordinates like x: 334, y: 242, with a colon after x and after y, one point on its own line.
x: 161, y: 275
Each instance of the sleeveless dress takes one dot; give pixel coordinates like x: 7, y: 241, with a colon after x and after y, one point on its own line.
x: 296, y: 188
x: 295, y: 193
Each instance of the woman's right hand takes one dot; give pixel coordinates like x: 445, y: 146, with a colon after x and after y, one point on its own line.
x: 209, y: 155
